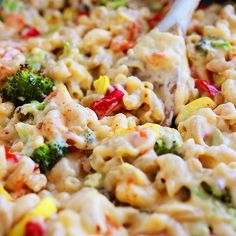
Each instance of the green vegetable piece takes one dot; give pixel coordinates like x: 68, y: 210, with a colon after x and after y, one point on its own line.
x: 47, y: 155
x: 220, y: 43
x: 26, y: 86
x: 11, y: 5
x: 161, y: 147
x: 40, y: 106
x: 205, y: 44
x: 221, y: 195
x: 114, y: 4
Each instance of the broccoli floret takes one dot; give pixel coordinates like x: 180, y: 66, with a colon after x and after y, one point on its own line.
x: 47, y: 155
x: 26, y: 86
x: 162, y: 148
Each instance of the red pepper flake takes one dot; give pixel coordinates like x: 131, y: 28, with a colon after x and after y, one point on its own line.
x: 36, y: 168
x: 9, y: 156
x: 98, y: 228
x: 30, y: 33
x: 130, y: 181
x: 34, y: 229
x: 107, y: 104
x: 153, y: 21
x: 143, y: 133
x: 51, y: 95
x: 206, y: 87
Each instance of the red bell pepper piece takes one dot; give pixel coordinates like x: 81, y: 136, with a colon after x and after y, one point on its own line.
x: 10, y: 156
x: 153, y: 21
x: 203, y: 5
x: 82, y: 13
x: 206, y: 87
x: 36, y: 168
x: 30, y: 33
x: 105, y: 105
x: 34, y: 229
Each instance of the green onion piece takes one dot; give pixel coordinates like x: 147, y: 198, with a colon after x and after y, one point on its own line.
x: 206, y: 44
x: 220, y: 43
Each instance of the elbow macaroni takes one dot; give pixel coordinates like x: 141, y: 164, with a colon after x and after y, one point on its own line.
x: 128, y: 173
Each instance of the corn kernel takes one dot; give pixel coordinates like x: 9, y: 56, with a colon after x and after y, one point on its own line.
x: 101, y: 85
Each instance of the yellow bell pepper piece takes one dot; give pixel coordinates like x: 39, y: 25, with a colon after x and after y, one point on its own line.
x: 44, y: 209
x: 5, y: 193
x: 154, y: 127
x: 101, y: 85
x: 189, y: 109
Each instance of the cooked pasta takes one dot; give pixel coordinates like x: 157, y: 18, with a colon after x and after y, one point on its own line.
x: 109, y: 126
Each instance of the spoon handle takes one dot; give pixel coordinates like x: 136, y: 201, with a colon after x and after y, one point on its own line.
x: 179, y: 15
